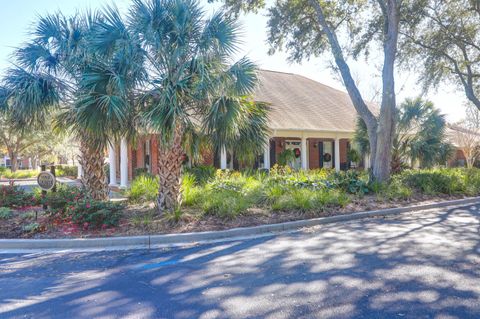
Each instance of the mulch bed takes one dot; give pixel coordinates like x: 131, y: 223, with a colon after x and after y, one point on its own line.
x: 144, y: 220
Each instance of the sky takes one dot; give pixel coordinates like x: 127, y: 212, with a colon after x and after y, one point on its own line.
x: 17, y: 16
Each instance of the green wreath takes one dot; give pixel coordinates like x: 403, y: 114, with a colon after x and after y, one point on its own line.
x: 327, y: 157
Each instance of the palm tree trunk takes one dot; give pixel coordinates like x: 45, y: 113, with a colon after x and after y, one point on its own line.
x: 92, y: 161
x: 170, y: 159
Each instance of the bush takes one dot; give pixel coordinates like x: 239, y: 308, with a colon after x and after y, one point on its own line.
x: 225, y: 204
x: 352, y: 182
x: 20, y: 174
x: 394, y: 190
x: 144, y: 188
x: 58, y: 201
x: 91, y: 214
x: 310, y: 200
x: 201, y: 173
x: 66, y: 170
x: 31, y: 228
x: 436, y: 181
x: 5, y: 213
x: 191, y: 193
x: 13, y: 196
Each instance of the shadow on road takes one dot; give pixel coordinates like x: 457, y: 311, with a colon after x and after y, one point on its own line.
x: 422, y: 265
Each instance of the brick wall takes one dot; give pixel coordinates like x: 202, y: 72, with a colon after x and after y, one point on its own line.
x: 140, y: 161
x: 154, y: 154
x: 458, y: 156
x: 207, y: 157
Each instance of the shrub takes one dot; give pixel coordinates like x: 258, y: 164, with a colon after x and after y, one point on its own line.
x: 273, y: 193
x: 202, y: 173
x: 31, y: 228
x: 394, y: 190
x: 352, y: 182
x: 310, y: 200
x: 224, y: 203
x: 19, y: 174
x: 436, y: 181
x: 91, y: 214
x: 144, y: 188
x: 140, y: 171
x: 175, y: 216
x: 66, y: 170
x: 191, y: 193
x: 297, y: 199
x: 13, y: 196
x: 58, y: 201
x: 5, y: 213
x: 472, y: 181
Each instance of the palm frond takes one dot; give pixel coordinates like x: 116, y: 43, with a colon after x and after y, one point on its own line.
x: 32, y: 95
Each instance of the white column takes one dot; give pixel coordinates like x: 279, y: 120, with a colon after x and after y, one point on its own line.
x: 79, y: 170
x: 266, y: 155
x: 112, y: 161
x: 337, y: 154
x: 230, y: 165
x: 223, y: 158
x: 123, y: 163
x: 303, y: 153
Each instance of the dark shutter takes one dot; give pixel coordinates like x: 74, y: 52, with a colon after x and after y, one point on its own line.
x: 333, y: 154
x: 273, y: 155
x: 320, y: 157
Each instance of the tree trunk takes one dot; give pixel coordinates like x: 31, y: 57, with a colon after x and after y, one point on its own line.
x: 92, y: 161
x: 170, y: 159
x: 13, y: 161
x: 386, y: 123
x: 469, y: 161
x: 352, y: 89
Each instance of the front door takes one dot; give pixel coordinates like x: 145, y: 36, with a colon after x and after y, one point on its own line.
x: 326, y: 154
x: 295, y: 146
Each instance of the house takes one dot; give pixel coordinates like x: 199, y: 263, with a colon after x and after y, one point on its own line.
x: 23, y: 162
x: 314, y: 120
x: 466, y: 143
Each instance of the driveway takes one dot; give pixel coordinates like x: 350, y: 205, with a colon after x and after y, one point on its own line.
x: 419, y: 265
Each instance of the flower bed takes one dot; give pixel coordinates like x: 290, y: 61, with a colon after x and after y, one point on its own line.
x: 214, y: 200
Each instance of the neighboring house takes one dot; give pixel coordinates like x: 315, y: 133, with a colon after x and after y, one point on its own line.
x: 466, y: 143
x: 316, y: 121
x: 23, y: 162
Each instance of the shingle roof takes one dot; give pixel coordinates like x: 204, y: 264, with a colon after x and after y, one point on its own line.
x: 299, y: 103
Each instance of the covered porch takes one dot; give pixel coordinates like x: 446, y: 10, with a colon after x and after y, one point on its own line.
x: 126, y: 160
x: 312, y: 149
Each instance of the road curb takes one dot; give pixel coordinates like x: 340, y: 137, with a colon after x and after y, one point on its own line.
x: 172, y: 240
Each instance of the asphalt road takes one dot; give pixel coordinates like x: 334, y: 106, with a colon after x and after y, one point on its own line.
x: 419, y: 265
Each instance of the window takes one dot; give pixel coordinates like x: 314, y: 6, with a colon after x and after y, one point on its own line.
x: 147, y: 156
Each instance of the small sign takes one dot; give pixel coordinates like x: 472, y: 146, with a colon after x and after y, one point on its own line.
x: 46, y: 181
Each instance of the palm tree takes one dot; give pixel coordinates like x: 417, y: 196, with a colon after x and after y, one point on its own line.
x: 419, y: 136
x: 92, y: 84
x: 16, y: 89
x: 192, y: 87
